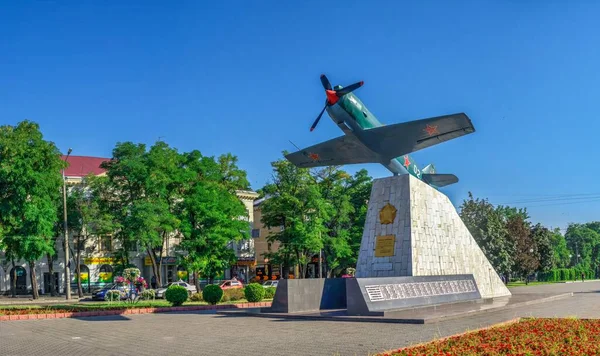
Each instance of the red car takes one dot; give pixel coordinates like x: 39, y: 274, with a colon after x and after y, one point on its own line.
x: 233, y: 283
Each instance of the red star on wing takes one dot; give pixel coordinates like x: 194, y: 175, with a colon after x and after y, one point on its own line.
x: 406, y: 162
x: 313, y: 156
x: 431, y: 130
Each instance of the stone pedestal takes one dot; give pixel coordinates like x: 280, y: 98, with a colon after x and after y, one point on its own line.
x: 412, y: 229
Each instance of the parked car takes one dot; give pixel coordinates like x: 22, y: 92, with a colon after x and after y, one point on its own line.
x: 268, y: 284
x: 101, y: 293
x: 231, y: 284
x: 160, y: 292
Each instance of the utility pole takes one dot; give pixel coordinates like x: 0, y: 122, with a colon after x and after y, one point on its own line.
x: 66, y: 234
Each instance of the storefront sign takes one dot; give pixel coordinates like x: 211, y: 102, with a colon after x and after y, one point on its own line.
x: 165, y: 260
x: 99, y: 261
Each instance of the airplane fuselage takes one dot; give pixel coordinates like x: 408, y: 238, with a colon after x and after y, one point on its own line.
x: 353, y: 117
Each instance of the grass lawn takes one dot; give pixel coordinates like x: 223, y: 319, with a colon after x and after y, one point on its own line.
x: 529, y: 336
x: 522, y: 283
x: 90, y: 306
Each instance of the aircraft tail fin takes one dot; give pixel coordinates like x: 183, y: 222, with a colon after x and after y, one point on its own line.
x: 429, y: 169
x: 439, y: 180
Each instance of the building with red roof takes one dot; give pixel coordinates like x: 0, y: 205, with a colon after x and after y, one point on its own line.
x: 81, y: 166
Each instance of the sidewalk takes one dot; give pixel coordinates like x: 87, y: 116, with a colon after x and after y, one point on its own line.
x: 43, y: 300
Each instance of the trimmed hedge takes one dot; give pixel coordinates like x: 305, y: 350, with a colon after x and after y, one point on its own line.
x: 212, y: 294
x: 270, y: 292
x: 254, y: 292
x: 565, y: 274
x: 176, y: 295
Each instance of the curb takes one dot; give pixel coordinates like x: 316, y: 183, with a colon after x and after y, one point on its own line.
x: 131, y: 311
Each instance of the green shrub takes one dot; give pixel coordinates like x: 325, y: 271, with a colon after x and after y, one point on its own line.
x: 112, y: 295
x: 233, y: 294
x: 148, y: 294
x: 176, y: 295
x: 270, y: 292
x: 196, y: 297
x: 212, y: 294
x: 254, y: 292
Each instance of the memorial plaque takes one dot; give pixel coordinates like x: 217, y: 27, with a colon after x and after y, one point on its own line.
x: 383, y: 266
x: 418, y: 289
x: 368, y: 295
x: 384, y: 246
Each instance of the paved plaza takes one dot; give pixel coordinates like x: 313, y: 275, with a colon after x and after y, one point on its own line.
x: 208, y: 334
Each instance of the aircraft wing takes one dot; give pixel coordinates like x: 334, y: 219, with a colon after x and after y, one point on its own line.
x: 342, y: 150
x: 399, y: 139
x: 439, y: 180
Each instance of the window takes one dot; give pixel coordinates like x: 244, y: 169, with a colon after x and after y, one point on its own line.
x: 106, y: 243
x: 255, y: 233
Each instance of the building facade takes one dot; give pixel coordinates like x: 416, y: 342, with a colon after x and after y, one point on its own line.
x: 98, y: 262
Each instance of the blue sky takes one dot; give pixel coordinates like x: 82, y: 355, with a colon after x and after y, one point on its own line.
x: 243, y: 77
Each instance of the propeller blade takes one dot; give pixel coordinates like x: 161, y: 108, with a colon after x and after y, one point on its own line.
x: 318, y: 118
x: 349, y: 88
x: 325, y: 82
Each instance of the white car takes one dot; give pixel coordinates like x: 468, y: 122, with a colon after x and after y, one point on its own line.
x: 160, y: 292
x: 268, y: 284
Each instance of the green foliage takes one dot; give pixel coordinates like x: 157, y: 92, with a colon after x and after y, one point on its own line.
x: 210, y: 213
x: 212, y: 294
x: 526, y: 259
x: 297, y: 204
x: 176, y: 295
x: 270, y: 292
x: 112, y: 295
x: 233, y: 294
x: 30, y: 191
x: 488, y: 228
x: 565, y: 274
x: 254, y: 292
x: 542, y: 239
x: 148, y: 294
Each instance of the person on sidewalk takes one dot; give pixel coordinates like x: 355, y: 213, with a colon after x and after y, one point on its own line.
x: 582, y: 277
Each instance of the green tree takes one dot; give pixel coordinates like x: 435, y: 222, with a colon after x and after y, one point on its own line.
x: 146, y: 190
x: 526, y: 258
x: 211, y: 215
x: 85, y: 218
x: 346, y: 198
x: 542, y: 238
x: 297, y: 205
x: 487, y: 226
x: 560, y: 250
x: 30, y: 182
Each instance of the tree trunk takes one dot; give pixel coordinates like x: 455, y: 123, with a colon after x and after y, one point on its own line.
x: 13, y: 281
x: 34, y: 285
x: 155, y: 267
x: 197, y: 281
x: 78, y: 268
x: 51, y: 272
x: 211, y: 279
x: 300, y: 271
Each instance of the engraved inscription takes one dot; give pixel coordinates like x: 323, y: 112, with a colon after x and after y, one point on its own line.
x: 418, y: 289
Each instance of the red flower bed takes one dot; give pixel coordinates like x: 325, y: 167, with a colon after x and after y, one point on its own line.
x: 527, y: 337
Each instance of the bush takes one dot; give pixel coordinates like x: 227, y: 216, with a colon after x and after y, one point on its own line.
x: 148, y: 294
x: 254, y: 292
x: 212, y: 294
x: 233, y: 294
x: 196, y: 297
x: 112, y: 295
x: 270, y: 292
x: 176, y: 295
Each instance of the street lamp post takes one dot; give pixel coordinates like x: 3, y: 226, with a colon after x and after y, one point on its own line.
x: 66, y: 234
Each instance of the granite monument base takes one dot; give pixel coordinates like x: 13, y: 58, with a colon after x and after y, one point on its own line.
x: 303, y: 295
x: 376, y: 296
x: 412, y: 229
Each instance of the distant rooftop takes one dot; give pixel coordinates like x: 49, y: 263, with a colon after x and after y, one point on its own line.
x: 81, y: 166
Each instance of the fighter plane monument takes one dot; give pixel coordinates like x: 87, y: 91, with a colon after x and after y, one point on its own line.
x: 415, y: 249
